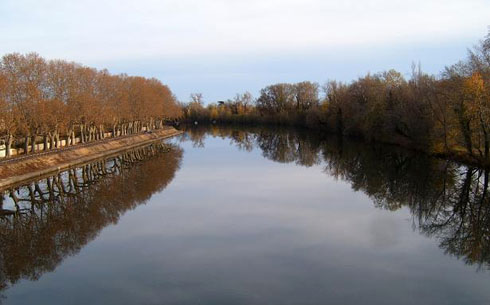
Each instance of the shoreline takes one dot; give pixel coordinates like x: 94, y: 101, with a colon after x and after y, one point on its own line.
x: 16, y: 171
x: 458, y: 157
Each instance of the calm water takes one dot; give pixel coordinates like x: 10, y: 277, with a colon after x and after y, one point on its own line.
x: 230, y: 216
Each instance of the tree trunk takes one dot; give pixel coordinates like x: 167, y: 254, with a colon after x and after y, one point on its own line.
x: 466, y: 130
x: 486, y: 141
x: 69, y: 138
x: 51, y: 141
x: 8, y: 146
x: 487, y: 149
x: 82, y: 135
x: 45, y: 141
x: 57, y: 139
x: 26, y: 145
x: 33, y: 144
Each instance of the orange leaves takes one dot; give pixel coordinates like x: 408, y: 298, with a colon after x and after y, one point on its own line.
x: 476, y: 97
x: 42, y: 96
x: 474, y: 87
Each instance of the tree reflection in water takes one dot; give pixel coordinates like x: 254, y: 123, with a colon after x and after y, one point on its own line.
x: 44, y: 221
x: 47, y: 220
x: 448, y: 201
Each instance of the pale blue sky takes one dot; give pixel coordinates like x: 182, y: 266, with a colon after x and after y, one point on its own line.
x: 221, y: 47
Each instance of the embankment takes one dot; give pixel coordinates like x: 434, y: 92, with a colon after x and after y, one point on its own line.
x: 16, y: 171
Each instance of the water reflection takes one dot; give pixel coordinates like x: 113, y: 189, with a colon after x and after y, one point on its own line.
x: 235, y: 228
x: 45, y: 221
x: 447, y: 201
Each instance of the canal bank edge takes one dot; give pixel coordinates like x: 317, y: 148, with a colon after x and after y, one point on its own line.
x: 15, y: 172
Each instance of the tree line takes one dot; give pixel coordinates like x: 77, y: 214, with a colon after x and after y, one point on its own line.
x: 447, y: 115
x: 46, y: 101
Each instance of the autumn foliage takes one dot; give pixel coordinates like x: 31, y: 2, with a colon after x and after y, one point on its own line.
x: 53, y: 101
x: 447, y: 115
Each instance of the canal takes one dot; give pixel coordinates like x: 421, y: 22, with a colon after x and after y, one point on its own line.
x: 250, y: 216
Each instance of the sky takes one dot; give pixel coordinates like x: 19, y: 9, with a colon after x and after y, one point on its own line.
x: 223, y: 47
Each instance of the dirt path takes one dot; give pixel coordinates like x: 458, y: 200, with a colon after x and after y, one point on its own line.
x: 18, y: 169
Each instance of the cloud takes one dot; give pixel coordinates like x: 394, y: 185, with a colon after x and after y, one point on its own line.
x: 148, y: 28
x: 220, y: 47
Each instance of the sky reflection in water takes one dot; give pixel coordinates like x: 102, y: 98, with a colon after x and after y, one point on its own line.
x: 273, y: 217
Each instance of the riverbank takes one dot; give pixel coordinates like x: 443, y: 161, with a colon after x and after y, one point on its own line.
x: 457, y: 154
x: 19, y: 170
